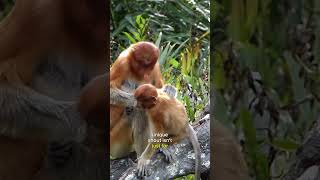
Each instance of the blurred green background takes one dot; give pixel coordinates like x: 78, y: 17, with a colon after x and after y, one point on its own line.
x: 267, y: 77
x: 5, y: 7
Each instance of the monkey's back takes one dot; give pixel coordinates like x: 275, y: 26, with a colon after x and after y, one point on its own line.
x: 172, y: 114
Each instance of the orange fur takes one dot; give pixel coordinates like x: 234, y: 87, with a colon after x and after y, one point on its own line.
x: 138, y: 64
x: 167, y: 115
x: 32, y: 31
x: 93, y: 100
x: 226, y: 151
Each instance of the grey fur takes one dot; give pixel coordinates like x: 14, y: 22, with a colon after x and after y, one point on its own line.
x: 28, y: 114
x: 120, y: 97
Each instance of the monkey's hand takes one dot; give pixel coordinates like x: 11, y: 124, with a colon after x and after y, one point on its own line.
x: 129, y: 111
x: 144, y: 160
x: 142, y: 167
x: 129, y: 86
x: 59, y: 153
x: 170, y: 90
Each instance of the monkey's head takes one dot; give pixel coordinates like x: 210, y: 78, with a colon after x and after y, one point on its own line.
x: 143, y: 57
x: 146, y: 95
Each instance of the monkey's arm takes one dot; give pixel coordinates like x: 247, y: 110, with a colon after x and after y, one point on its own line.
x: 28, y: 114
x: 94, y: 95
x: 149, y: 151
x: 158, y: 77
x: 144, y: 159
x: 119, y: 97
x: 117, y: 83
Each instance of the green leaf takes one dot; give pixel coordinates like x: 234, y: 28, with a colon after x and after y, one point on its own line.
x: 189, y: 107
x: 285, y: 145
x: 219, y: 79
x: 248, y: 128
x: 131, y: 39
x: 236, y: 27
x: 297, y: 82
x: 164, y: 54
x: 138, y: 20
x: 189, y: 61
x: 252, y: 13
x: 179, y: 48
x: 221, y: 111
x: 159, y: 40
x: 122, y: 25
x: 259, y: 160
x: 178, y: 83
x: 174, y: 63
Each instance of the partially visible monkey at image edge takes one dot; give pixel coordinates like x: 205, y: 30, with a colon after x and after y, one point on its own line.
x: 139, y: 65
x: 38, y: 40
x: 166, y: 115
x: 228, y: 160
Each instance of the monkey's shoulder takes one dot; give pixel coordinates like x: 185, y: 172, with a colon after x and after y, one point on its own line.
x: 124, y: 55
x: 119, y: 72
x: 169, y: 101
x: 120, y: 65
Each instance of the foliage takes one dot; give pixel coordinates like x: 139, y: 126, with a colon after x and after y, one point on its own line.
x: 267, y: 77
x: 181, y: 30
x: 5, y: 7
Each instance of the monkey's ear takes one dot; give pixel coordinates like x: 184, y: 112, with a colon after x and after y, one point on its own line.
x: 170, y: 90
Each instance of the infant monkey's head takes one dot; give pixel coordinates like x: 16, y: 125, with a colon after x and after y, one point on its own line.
x: 146, y: 95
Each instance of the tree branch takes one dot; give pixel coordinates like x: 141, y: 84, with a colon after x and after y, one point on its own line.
x: 307, y: 155
x: 183, y: 162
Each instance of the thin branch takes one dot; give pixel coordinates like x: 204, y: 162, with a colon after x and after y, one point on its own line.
x: 296, y: 104
x: 183, y: 162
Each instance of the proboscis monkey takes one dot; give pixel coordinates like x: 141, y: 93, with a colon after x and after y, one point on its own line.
x: 166, y: 115
x: 229, y: 162
x: 228, y: 159
x: 138, y: 65
x: 49, y: 50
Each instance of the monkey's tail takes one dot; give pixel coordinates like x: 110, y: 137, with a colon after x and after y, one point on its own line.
x: 196, y: 146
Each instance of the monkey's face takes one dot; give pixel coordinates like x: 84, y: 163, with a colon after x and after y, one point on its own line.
x: 146, y: 96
